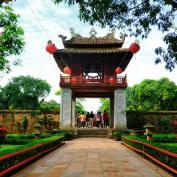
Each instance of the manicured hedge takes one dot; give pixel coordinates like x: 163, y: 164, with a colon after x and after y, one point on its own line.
x: 12, y: 159
x: 165, y: 138
x: 167, y: 158
x: 31, y: 143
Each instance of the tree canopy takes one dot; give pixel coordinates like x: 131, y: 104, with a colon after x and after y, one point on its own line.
x: 149, y: 95
x: 79, y: 106
x: 11, y: 38
x: 49, y: 105
x: 152, y: 95
x: 136, y: 18
x: 24, y: 92
x: 105, y: 105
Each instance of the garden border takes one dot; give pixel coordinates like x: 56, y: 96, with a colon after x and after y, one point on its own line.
x: 168, y: 167
x: 28, y: 160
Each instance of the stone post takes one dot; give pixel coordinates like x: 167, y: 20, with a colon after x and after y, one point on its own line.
x: 120, y: 120
x: 74, y: 112
x: 112, y: 111
x: 66, y: 108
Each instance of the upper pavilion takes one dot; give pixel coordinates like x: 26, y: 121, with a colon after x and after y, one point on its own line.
x: 93, y: 62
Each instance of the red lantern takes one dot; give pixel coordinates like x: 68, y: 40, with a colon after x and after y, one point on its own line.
x: 51, y: 48
x: 134, y: 47
x: 74, y: 80
x: 67, y: 70
x: 112, y: 80
x: 118, y: 70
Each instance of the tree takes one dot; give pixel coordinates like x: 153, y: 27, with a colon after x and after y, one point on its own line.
x: 5, y: 1
x: 152, y: 95
x: 137, y: 18
x: 24, y: 92
x: 105, y: 104
x: 49, y: 105
x: 11, y: 38
x: 79, y: 106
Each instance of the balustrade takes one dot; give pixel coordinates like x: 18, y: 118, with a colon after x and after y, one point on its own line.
x: 66, y: 80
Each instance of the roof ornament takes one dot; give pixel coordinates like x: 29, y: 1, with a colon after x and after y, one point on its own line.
x: 123, y: 36
x: 111, y: 35
x: 92, y: 33
x: 73, y: 34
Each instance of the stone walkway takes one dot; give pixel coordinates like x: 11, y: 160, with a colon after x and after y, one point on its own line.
x: 92, y: 157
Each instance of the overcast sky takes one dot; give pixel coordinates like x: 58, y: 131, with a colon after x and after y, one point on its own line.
x: 43, y: 20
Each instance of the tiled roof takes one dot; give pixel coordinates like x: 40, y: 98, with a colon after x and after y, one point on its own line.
x: 93, y: 41
x: 94, y: 50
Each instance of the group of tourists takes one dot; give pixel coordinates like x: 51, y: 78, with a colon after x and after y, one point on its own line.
x: 90, y: 120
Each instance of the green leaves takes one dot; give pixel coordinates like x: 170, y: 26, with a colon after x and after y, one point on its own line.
x: 24, y: 92
x: 137, y: 18
x: 11, y: 38
x: 105, y: 104
x: 152, y: 95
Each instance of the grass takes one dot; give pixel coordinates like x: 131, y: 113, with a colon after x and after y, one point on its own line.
x: 172, y: 147
x: 7, y: 149
x: 8, y: 146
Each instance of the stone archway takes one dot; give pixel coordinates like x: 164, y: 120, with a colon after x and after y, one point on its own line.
x: 117, y: 104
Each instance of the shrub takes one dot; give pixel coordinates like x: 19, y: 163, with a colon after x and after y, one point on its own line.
x: 45, y: 135
x: 165, y: 126
x: 21, y: 136
x: 135, y: 120
x: 3, y: 132
x: 165, y: 138
x: 117, y: 135
x: 68, y: 136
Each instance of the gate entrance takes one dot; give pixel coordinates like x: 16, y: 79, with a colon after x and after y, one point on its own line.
x: 92, y: 67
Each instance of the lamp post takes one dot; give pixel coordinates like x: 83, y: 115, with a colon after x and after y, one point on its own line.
x: 148, y: 132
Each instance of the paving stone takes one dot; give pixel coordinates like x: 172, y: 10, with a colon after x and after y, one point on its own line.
x: 92, y: 157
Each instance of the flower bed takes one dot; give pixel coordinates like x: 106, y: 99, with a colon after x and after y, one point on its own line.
x: 13, y: 161
x: 166, y: 159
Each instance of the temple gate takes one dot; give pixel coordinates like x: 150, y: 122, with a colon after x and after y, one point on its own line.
x: 93, y: 65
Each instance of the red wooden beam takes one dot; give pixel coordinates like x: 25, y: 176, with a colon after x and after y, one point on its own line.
x: 151, y: 157
x: 153, y: 147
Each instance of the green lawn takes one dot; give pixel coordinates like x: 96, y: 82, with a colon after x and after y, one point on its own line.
x: 7, y: 146
x: 6, y: 149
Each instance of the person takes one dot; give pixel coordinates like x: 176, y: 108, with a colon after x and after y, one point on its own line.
x: 91, y: 119
x: 87, y: 120
x: 82, y: 119
x: 106, y: 119
x: 99, y: 120
x: 78, y: 123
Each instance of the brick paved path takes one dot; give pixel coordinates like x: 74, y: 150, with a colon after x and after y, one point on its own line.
x: 92, y: 157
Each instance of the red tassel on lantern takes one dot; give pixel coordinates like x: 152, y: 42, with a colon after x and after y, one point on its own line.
x: 112, y: 80
x: 51, y: 48
x: 118, y: 70
x: 74, y: 80
x: 67, y: 70
x: 134, y: 47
